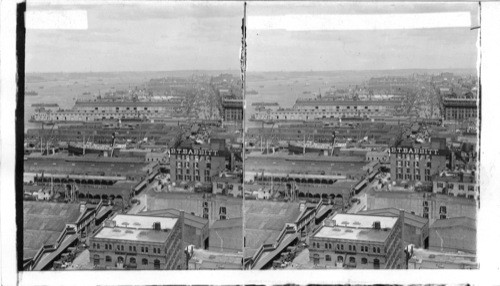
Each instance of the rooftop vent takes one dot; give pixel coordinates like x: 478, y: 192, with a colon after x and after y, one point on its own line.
x: 116, y: 230
x: 356, y: 223
x: 157, y: 225
x: 348, y: 230
x: 129, y: 231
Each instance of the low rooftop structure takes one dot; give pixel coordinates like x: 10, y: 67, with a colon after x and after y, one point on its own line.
x: 428, y: 259
x: 357, y: 227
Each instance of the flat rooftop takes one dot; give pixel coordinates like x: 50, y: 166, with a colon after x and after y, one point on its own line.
x: 357, y: 227
x: 363, y: 221
x: 143, y: 222
x: 133, y: 234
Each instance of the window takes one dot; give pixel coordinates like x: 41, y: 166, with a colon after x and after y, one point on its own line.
x: 364, y: 260
x: 439, y: 185
x: 328, y: 258
x: 378, y: 249
x: 96, y: 259
x: 154, y: 249
x: 442, y: 216
x: 376, y: 264
x: 142, y: 248
x: 470, y: 188
x: 314, y: 244
x: 461, y: 187
x: 144, y: 261
x: 352, y: 260
x: 130, y: 248
x: 132, y: 260
x: 442, y: 210
x: 147, y: 250
x: 156, y: 264
x: 326, y: 245
x: 354, y: 248
x: 428, y: 164
x: 108, y: 258
x: 340, y: 259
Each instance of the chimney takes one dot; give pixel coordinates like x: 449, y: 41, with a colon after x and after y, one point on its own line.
x: 157, y: 226
x: 376, y: 224
x: 82, y: 206
x: 109, y: 223
x: 302, y: 206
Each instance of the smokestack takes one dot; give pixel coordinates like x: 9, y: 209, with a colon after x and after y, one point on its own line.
x: 376, y: 225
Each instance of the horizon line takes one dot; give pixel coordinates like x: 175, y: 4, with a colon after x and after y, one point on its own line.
x: 257, y: 71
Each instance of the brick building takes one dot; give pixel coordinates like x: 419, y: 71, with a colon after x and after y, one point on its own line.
x: 359, y: 241
x: 411, y: 163
x: 460, y: 109
x: 139, y: 242
x: 233, y: 109
x: 428, y: 205
x: 196, y: 164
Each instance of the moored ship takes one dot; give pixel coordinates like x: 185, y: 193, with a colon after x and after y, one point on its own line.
x: 81, y: 148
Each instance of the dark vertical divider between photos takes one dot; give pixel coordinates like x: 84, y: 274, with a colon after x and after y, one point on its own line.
x: 20, y: 51
x: 243, y: 63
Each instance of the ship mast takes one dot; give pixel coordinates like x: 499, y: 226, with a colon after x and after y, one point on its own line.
x: 304, y: 146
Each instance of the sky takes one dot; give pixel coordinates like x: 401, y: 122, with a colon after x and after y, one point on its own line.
x: 140, y: 37
x: 321, y: 50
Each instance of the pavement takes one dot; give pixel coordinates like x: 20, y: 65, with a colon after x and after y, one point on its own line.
x: 81, y: 262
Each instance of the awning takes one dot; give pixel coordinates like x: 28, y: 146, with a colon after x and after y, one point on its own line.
x: 140, y: 185
x: 372, y: 175
x: 361, y: 184
x: 265, y: 258
x: 49, y: 258
x: 323, y: 210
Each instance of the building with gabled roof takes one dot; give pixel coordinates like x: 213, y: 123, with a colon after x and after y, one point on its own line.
x: 453, y: 235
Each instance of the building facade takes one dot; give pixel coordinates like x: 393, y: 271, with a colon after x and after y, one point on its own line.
x: 460, y: 109
x: 195, y: 165
x: 428, y: 205
x: 359, y: 241
x: 139, y: 242
x: 457, y: 185
x: 417, y: 164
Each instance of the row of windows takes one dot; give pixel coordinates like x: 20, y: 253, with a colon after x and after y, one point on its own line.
x: 195, y: 158
x: 415, y: 164
x: 416, y: 157
x: 416, y: 171
x: 352, y: 260
x: 131, y: 248
x: 132, y: 260
x: 188, y: 178
x: 411, y: 178
x: 350, y: 247
x: 460, y: 186
x: 195, y: 165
